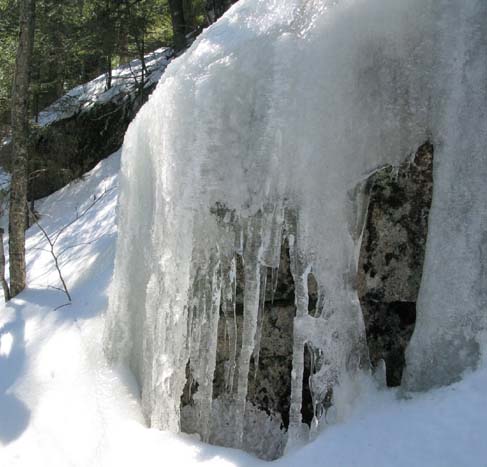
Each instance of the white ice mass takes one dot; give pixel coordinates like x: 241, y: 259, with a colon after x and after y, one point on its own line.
x: 268, y: 128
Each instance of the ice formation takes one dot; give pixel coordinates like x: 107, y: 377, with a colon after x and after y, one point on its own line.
x: 267, y: 128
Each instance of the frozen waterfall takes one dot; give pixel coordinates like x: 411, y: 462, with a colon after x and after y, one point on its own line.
x: 265, y: 132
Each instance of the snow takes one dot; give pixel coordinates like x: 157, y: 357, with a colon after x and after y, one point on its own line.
x: 62, y: 405
x: 125, y: 79
x: 267, y: 128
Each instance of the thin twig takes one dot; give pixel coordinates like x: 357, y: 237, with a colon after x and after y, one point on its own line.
x: 55, y: 288
x: 55, y: 237
x: 76, y: 245
x: 53, y: 254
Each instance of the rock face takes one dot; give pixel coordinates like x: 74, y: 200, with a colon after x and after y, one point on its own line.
x: 392, y: 256
x: 87, y: 124
x: 70, y: 147
x: 389, y: 275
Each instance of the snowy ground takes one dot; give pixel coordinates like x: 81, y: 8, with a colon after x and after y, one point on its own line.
x: 125, y: 79
x: 60, y: 405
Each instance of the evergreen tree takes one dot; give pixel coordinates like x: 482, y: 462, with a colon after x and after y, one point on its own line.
x: 20, y: 142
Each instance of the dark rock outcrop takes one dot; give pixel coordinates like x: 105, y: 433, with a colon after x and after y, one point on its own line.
x: 68, y: 148
x: 392, y: 255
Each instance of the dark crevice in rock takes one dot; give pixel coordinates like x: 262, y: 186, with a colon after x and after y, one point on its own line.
x: 313, y: 308
x: 307, y: 409
x: 240, y: 283
x: 190, y: 388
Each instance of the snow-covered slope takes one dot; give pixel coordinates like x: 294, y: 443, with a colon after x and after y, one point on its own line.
x: 61, y: 405
x: 125, y: 80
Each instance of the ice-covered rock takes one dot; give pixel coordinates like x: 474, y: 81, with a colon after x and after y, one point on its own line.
x: 266, y: 129
x: 450, y: 333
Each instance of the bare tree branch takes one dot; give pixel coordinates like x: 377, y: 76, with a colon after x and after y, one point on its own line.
x: 52, y: 240
x: 76, y: 245
x: 53, y: 253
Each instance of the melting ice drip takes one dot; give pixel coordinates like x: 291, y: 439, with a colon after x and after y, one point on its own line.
x: 270, y: 123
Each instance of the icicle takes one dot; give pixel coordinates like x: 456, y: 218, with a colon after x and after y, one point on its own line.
x: 274, y: 277
x: 198, y: 307
x: 229, y: 278
x: 252, y: 267
x: 204, y: 362
x: 273, y: 220
x: 314, y: 392
x: 260, y: 319
x: 299, y: 271
x: 214, y: 316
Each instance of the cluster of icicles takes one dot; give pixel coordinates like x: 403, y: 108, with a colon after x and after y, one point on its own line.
x: 335, y: 330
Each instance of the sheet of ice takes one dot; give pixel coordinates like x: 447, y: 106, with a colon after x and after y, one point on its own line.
x: 286, y: 107
x: 451, y: 329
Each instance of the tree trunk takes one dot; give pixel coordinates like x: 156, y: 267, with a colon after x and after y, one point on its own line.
x: 123, y: 43
x: 6, y: 290
x: 20, y: 148
x: 109, y: 73
x: 216, y: 8
x: 143, y: 66
x: 178, y: 24
x: 189, y: 17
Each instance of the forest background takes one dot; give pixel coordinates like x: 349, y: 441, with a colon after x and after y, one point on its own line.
x: 77, y: 40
